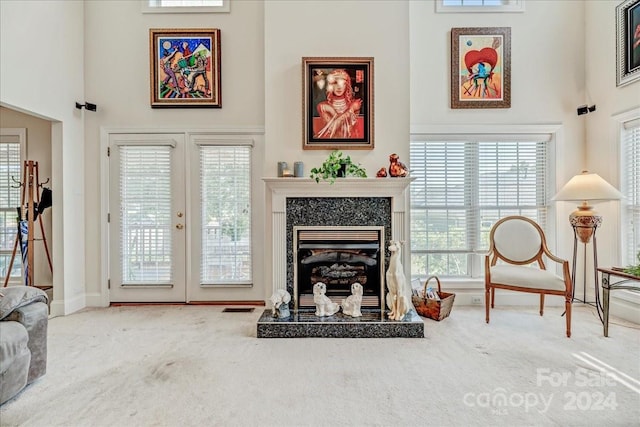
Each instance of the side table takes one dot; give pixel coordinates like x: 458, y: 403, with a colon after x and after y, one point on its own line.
x: 623, y: 280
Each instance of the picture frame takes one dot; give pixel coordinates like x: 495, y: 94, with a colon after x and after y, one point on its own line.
x: 481, y: 67
x: 185, y: 68
x: 627, y: 42
x: 337, y: 103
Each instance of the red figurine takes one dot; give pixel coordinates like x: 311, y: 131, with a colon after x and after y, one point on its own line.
x: 397, y: 168
x: 382, y: 173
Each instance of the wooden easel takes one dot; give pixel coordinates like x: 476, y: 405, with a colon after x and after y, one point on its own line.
x: 30, y: 200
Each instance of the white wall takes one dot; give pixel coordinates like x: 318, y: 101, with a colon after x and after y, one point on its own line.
x: 349, y: 28
x: 262, y: 46
x: 42, y: 73
x: 117, y: 80
x: 547, y: 78
x: 602, y: 154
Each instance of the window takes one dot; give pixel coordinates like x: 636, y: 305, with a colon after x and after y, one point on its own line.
x: 12, y: 146
x: 464, y: 6
x: 225, y: 192
x: 185, y: 6
x: 630, y: 186
x: 463, y: 186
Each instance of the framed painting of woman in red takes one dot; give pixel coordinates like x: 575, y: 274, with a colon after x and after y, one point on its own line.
x: 337, y: 103
x: 481, y: 67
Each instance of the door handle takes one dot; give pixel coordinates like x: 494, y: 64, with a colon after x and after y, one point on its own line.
x: 179, y: 226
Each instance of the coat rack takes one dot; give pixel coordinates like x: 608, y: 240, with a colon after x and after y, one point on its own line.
x: 30, y: 208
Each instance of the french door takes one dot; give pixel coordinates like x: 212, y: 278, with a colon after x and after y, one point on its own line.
x: 180, y: 218
x: 147, y: 220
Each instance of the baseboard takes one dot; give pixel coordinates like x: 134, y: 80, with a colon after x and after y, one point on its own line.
x: 507, y: 298
x: 96, y: 300
x: 65, y: 307
x: 234, y: 303
x: 624, y: 310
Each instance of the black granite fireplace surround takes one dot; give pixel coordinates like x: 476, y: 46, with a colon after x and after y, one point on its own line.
x: 334, y: 211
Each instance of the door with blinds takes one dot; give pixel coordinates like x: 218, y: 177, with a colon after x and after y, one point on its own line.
x: 147, y: 218
x: 180, y: 218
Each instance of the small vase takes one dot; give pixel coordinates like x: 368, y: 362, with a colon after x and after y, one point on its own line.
x: 342, y: 172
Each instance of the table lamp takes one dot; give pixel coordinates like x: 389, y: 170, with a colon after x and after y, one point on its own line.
x: 586, y: 187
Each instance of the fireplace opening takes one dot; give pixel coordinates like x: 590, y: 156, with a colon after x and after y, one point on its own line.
x: 339, y: 257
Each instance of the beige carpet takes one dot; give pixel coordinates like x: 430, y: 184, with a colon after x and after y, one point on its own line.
x: 197, y: 366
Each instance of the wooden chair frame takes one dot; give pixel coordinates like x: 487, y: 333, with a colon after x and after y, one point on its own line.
x: 494, y: 255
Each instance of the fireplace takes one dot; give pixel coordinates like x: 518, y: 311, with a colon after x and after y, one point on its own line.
x: 337, y: 233
x: 338, y: 257
x: 348, y: 203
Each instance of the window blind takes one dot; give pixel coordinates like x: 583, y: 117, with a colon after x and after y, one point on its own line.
x: 10, y: 166
x: 185, y: 3
x: 225, y: 192
x: 630, y: 183
x: 145, y: 214
x: 462, y: 188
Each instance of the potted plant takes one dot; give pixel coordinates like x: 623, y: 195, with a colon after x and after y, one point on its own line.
x: 634, y: 269
x: 337, y: 165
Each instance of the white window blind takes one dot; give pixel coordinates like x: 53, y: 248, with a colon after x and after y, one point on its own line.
x: 184, y: 3
x: 185, y: 6
x: 479, y: 6
x: 630, y: 183
x: 10, y: 194
x: 145, y: 214
x: 462, y: 188
x: 225, y: 185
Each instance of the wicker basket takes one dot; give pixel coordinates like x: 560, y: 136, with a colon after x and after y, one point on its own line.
x: 431, y: 308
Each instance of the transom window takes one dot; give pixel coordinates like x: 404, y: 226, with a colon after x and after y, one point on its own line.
x: 185, y: 6
x: 463, y: 6
x: 463, y: 185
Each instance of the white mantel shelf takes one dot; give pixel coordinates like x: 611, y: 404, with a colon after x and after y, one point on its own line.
x: 279, y: 189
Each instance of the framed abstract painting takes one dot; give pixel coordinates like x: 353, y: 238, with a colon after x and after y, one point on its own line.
x: 185, y: 68
x: 481, y: 67
x: 628, y: 42
x: 337, y: 105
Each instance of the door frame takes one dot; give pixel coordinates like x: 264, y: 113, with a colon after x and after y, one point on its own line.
x: 258, y: 291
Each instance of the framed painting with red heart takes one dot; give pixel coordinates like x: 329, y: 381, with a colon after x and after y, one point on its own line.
x: 481, y: 67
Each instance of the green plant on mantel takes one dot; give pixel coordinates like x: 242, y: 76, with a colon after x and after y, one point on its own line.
x: 337, y: 165
x: 634, y: 269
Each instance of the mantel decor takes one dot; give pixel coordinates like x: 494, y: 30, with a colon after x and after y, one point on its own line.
x: 337, y: 165
x: 481, y: 67
x: 628, y: 42
x: 337, y: 104
x: 185, y: 68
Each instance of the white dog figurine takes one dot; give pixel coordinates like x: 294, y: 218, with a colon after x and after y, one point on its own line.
x: 324, y: 306
x: 351, y: 304
x: 397, y: 300
x: 280, y: 300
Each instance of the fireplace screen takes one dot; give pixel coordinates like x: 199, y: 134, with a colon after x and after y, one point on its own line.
x: 339, y: 257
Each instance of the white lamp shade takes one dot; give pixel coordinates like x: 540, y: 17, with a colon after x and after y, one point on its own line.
x: 588, y: 186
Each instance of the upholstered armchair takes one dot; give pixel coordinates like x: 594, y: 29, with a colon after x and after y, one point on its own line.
x: 24, y: 315
x: 516, y: 243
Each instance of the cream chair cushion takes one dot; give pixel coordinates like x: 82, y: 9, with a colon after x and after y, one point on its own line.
x: 517, y: 240
x: 526, y: 277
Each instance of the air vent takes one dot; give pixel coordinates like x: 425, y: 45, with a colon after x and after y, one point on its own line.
x: 238, y: 309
